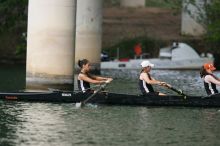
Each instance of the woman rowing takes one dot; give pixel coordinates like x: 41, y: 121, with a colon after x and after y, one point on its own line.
x: 85, y: 78
x: 210, y: 80
x: 146, y: 81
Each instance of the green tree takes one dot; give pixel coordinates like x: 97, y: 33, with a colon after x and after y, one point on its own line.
x: 13, y: 20
x: 13, y: 15
x: 208, y: 16
x: 213, y: 25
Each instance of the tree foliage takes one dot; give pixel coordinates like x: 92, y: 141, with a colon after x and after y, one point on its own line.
x: 213, y: 24
x: 13, y: 15
x: 13, y: 20
x: 208, y: 15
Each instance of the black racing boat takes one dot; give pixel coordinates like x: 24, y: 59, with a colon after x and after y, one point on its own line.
x: 114, y: 99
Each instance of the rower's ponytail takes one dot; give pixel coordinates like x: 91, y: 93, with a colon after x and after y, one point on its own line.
x: 203, y: 72
x: 82, y: 62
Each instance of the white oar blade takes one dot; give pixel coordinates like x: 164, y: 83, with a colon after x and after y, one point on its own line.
x: 78, y: 105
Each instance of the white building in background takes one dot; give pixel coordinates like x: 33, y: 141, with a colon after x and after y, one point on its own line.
x: 191, y: 15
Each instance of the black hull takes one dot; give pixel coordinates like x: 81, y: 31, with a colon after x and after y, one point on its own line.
x: 114, y: 99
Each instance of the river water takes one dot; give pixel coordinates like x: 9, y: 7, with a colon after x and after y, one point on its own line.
x: 46, y: 124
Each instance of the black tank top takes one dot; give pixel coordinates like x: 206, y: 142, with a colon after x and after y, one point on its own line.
x: 210, y: 88
x: 83, y: 85
x: 145, y: 87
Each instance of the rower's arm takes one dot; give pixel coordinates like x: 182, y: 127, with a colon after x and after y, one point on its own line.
x: 90, y: 80
x: 145, y: 77
x: 106, y: 80
x: 153, y: 78
x: 211, y: 79
x: 100, y: 78
x: 161, y: 83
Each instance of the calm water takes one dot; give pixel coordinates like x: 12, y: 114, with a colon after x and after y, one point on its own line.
x: 45, y: 124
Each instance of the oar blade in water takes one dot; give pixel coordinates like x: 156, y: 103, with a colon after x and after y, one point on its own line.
x: 84, y: 102
x: 78, y: 105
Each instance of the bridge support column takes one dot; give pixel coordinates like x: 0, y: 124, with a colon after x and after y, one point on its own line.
x: 190, y: 18
x: 89, y: 31
x: 50, y: 48
x: 133, y: 3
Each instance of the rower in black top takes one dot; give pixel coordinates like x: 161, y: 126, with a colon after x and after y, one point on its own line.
x: 209, y: 79
x: 146, y: 81
x: 85, y: 78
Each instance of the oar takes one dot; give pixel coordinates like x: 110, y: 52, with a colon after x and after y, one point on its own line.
x: 178, y: 91
x: 78, y: 105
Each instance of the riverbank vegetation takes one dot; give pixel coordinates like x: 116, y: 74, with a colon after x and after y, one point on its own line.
x: 13, y: 28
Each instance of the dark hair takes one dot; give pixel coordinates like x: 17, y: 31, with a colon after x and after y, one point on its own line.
x: 82, y: 62
x: 203, y: 72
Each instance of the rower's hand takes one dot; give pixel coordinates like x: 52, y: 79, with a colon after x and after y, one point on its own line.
x: 108, y: 80
x: 165, y: 84
x: 162, y: 83
x: 168, y: 85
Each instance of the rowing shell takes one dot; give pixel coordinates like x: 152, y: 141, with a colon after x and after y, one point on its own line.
x: 114, y: 99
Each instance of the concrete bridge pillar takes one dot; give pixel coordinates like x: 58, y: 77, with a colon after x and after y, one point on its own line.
x: 132, y: 3
x: 50, y: 48
x: 89, y: 31
x: 190, y: 18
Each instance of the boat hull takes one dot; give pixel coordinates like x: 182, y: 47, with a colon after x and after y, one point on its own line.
x: 114, y: 99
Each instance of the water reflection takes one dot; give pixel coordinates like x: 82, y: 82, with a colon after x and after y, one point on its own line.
x: 12, y: 77
x: 9, y: 122
x: 62, y: 124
